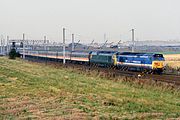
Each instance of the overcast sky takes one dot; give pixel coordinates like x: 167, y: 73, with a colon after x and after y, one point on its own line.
x: 90, y: 19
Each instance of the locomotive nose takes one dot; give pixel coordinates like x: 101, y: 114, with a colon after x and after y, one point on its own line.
x: 158, y: 64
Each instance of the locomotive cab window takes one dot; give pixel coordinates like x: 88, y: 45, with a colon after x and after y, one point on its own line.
x: 158, y: 57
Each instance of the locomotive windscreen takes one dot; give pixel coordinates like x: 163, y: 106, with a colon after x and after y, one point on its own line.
x: 158, y: 55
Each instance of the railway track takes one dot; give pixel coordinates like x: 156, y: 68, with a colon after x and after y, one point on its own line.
x: 112, y: 72
x: 173, y: 79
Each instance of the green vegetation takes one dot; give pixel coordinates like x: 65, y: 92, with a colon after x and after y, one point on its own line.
x: 13, y: 54
x: 35, y: 91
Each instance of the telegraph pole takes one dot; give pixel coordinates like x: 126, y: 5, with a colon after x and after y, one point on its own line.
x: 64, y: 47
x: 45, y: 43
x: 72, y: 42
x: 45, y: 49
x: 105, y: 37
x: 23, y: 46
x: 133, y: 40
x: 7, y: 48
x: 1, y: 44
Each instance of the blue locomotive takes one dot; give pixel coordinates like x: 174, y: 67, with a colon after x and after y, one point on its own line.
x: 149, y: 62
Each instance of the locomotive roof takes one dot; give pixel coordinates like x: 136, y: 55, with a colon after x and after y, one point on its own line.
x: 140, y: 54
x: 105, y: 52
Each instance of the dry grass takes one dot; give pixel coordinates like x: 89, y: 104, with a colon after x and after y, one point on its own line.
x: 172, y: 60
x: 172, y: 57
x: 35, y: 91
x: 173, y: 64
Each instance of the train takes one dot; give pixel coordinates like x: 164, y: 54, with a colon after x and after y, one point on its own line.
x: 134, y: 61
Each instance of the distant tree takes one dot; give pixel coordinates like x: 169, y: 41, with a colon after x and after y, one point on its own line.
x: 12, y: 54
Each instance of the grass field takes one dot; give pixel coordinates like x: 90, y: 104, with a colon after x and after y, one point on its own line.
x: 173, y: 64
x: 36, y: 91
x: 173, y: 60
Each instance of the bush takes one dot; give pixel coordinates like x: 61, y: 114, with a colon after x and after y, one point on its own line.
x: 12, y: 54
x: 18, y: 54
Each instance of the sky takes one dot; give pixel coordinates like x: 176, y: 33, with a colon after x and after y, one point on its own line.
x: 90, y: 19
